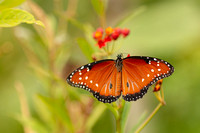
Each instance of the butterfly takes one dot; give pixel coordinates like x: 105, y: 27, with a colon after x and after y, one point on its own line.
x: 130, y: 77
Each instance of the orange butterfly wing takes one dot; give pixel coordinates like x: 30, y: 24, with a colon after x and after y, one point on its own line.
x: 138, y: 73
x: 106, y: 80
x: 101, y: 78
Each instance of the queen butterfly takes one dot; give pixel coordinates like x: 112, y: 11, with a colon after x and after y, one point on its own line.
x: 131, y: 76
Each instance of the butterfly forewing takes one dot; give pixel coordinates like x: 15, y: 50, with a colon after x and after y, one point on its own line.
x: 138, y: 73
x: 99, y: 78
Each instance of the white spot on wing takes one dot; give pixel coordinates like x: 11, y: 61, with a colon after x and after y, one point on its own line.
x: 80, y: 78
x: 142, y: 80
x: 148, y: 75
x: 86, y: 77
x: 152, y: 70
x: 90, y: 81
x: 96, y: 85
x: 159, y: 69
x: 82, y: 67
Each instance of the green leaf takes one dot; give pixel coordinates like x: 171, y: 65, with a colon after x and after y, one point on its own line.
x: 57, y: 107
x: 95, y: 115
x: 43, y: 113
x: 13, y: 17
x: 32, y: 124
x: 124, y: 116
x: 86, y: 48
x: 9, y: 3
x: 99, y: 6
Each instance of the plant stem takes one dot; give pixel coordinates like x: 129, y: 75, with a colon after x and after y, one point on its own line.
x: 112, y: 47
x: 118, y: 125
x: 118, y: 119
x: 149, y: 118
x: 25, y: 113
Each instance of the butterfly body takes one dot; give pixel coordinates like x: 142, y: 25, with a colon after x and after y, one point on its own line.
x: 131, y: 77
x: 119, y: 63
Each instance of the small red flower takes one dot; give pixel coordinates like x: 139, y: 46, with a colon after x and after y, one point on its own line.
x: 100, y: 30
x: 125, y: 32
x: 97, y: 35
x: 115, y: 35
x: 107, y: 39
x: 101, y: 43
x: 128, y: 55
x: 109, y: 31
x: 118, y: 30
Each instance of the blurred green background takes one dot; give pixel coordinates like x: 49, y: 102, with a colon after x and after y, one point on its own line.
x: 166, y: 29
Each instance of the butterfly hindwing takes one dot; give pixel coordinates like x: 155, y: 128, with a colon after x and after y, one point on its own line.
x: 131, y: 88
x: 111, y: 89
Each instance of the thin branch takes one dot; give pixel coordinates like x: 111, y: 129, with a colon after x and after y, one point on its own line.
x: 149, y: 118
x: 24, y: 105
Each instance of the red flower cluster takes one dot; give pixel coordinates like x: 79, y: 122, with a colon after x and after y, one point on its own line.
x: 110, y: 34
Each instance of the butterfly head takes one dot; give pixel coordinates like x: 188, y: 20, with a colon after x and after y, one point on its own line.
x: 119, y: 56
x: 118, y: 62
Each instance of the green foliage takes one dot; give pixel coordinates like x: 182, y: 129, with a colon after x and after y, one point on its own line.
x: 57, y: 107
x: 9, y: 3
x: 95, y: 115
x: 13, y: 17
x: 33, y: 124
x: 86, y: 48
x: 87, y: 30
x: 99, y: 6
x: 124, y: 116
x: 142, y: 118
x: 41, y: 58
